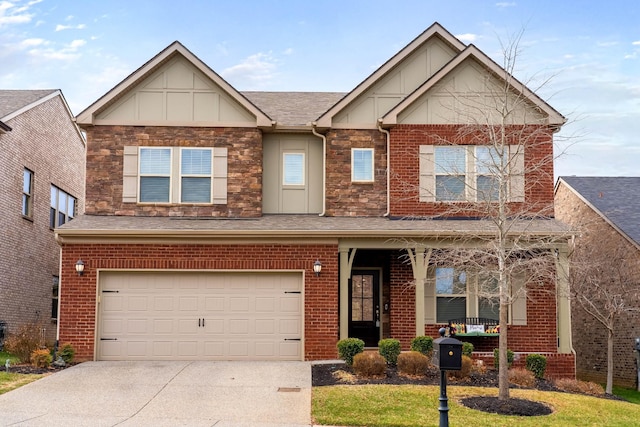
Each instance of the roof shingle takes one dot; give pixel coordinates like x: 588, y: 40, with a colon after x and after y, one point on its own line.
x: 13, y: 100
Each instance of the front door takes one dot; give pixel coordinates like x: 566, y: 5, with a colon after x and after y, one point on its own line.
x: 364, y: 306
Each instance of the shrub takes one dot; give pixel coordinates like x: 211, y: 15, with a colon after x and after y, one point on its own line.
x: 465, y: 372
x: 413, y: 363
x: 24, y: 341
x: 389, y: 348
x: 522, y: 377
x: 577, y: 386
x: 67, y: 352
x: 537, y: 364
x: 348, y: 348
x: 467, y: 348
x: 496, y: 359
x: 369, y: 364
x: 422, y: 344
x: 41, y: 358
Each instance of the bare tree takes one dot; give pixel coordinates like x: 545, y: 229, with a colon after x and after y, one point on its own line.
x: 497, y: 167
x: 605, y: 282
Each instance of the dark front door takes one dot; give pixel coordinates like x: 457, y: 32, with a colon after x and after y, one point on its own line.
x: 364, y: 307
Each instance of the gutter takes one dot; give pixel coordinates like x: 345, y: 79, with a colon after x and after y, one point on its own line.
x: 388, y: 139
x: 324, y: 167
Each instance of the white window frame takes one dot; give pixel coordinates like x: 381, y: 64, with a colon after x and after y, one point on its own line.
x: 452, y: 295
x: 27, y: 196
x: 183, y: 175
x: 143, y: 175
x: 286, y: 165
x: 453, y: 173
x: 56, y: 211
x: 367, y: 169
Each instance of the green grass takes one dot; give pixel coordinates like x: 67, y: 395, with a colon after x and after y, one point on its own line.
x: 632, y: 395
x: 409, y: 406
x: 9, y: 381
x: 4, y: 356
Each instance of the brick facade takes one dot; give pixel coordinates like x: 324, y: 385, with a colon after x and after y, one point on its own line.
x: 105, y: 145
x: 44, y: 140
x: 589, y: 336
x: 78, y: 293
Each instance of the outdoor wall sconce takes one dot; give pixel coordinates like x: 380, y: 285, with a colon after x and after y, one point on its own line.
x: 317, y: 267
x: 80, y: 267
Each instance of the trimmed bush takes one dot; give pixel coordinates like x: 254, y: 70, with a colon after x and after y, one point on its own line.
x: 389, y: 348
x: 67, y: 352
x: 369, y: 364
x: 413, y: 363
x: 465, y: 372
x: 522, y: 377
x: 41, y: 358
x: 24, y: 341
x: 422, y: 344
x: 577, y: 386
x: 348, y: 348
x: 496, y: 358
x: 537, y: 364
x: 467, y: 349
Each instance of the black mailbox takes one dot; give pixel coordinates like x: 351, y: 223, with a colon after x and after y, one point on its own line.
x: 447, y: 354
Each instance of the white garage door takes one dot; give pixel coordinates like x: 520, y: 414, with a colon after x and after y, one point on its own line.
x: 199, y: 316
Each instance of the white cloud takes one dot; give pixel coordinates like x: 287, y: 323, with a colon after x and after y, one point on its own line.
x: 636, y: 43
x: 10, y: 14
x: 468, y: 37
x: 32, y: 42
x: 506, y: 4
x: 66, y: 53
x: 288, y: 51
x: 256, y: 70
x: 60, y: 27
x: 607, y: 44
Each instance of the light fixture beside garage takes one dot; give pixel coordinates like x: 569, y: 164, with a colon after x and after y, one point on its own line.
x: 80, y: 267
x: 317, y: 267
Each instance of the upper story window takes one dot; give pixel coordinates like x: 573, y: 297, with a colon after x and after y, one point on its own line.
x: 470, y: 173
x: 293, y: 169
x: 27, y: 193
x: 157, y: 176
x: 63, y: 207
x: 362, y: 164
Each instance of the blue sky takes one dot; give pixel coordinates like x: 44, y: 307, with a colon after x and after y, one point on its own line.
x: 589, y: 49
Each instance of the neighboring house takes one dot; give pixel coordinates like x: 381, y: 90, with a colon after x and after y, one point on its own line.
x: 604, y: 210
x: 208, y: 209
x: 42, y: 177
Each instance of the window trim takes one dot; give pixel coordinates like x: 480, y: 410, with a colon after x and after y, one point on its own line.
x: 27, y: 198
x: 370, y: 166
x: 56, y: 210
x: 155, y: 175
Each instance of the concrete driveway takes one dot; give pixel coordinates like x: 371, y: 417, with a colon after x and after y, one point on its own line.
x: 221, y: 394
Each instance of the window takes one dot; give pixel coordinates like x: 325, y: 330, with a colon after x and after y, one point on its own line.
x: 362, y: 298
x: 195, y: 175
x: 362, y: 164
x: 54, y: 298
x: 488, y: 297
x: 155, y: 175
x: 27, y: 193
x: 453, y: 173
x: 451, y: 294
x: 293, y: 165
x: 63, y: 207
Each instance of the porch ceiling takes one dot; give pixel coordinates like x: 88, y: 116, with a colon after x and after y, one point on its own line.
x: 289, y: 227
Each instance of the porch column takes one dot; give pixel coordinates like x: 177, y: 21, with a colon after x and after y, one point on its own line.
x: 564, y: 305
x: 419, y: 264
x: 346, y: 261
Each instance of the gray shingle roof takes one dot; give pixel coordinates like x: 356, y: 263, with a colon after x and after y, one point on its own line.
x: 616, y: 198
x: 294, y: 108
x: 13, y: 100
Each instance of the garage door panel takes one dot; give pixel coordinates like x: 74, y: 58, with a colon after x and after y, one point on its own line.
x: 192, y: 316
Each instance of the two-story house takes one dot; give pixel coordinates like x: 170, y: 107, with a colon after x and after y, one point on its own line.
x: 268, y: 225
x: 42, y: 167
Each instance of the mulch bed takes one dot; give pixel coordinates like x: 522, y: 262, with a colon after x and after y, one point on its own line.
x: 323, y: 375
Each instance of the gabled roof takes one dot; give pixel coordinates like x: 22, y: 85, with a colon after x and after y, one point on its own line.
x: 294, y: 108
x: 434, y: 30
x: 616, y: 199
x: 15, y: 102
x: 86, y: 117
x: 554, y: 117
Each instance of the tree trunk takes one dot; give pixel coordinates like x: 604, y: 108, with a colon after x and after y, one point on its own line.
x: 609, y: 389
x: 503, y: 370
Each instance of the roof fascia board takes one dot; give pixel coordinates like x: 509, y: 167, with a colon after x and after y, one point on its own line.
x: 35, y: 103
x: 87, y: 117
x: 554, y: 117
x: 324, y: 121
x: 597, y: 211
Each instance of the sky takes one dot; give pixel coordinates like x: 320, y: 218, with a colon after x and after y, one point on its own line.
x: 581, y: 56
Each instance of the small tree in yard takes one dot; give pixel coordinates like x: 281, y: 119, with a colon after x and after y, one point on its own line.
x: 480, y: 173
x: 605, y: 283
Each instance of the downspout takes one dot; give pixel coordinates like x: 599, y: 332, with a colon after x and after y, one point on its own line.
x: 324, y: 167
x: 388, y: 140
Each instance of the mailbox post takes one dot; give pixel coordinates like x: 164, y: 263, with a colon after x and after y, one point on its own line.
x: 447, y: 356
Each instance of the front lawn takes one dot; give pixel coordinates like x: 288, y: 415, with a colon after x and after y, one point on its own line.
x: 10, y: 381
x: 413, y: 406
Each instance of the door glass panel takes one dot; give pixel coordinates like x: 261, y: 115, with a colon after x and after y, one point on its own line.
x: 362, y: 298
